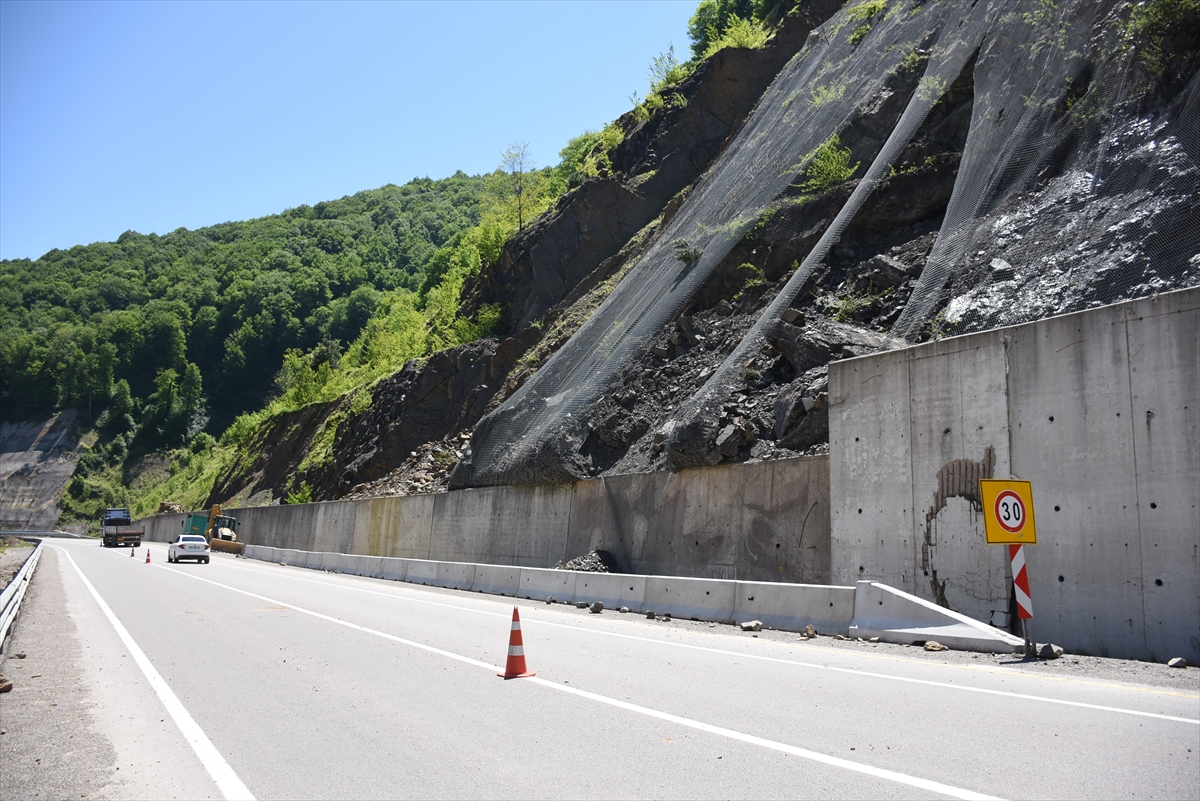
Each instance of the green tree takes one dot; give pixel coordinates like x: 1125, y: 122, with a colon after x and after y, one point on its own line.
x: 518, y: 162
x: 712, y: 18
x: 191, y: 390
x: 119, y: 417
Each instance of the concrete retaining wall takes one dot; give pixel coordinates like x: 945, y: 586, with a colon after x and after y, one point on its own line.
x: 1099, y: 410
x: 760, y: 522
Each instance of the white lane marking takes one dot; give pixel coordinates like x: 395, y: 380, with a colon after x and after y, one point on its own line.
x: 761, y: 658
x: 837, y: 762
x: 227, y: 781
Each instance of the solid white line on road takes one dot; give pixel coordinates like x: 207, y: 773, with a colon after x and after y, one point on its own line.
x: 227, y: 781
x: 815, y: 756
x: 761, y: 658
x: 837, y: 762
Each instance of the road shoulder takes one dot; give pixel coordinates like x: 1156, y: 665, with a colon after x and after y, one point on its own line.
x: 49, y: 745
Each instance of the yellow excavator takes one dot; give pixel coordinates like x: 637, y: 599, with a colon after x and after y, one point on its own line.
x: 220, y: 530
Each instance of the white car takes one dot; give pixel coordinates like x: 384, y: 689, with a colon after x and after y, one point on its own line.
x: 188, y: 546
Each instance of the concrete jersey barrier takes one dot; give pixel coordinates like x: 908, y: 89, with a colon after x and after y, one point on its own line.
x: 866, y: 610
x: 894, y: 616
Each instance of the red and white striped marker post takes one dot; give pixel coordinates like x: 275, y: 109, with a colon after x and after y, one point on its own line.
x: 1016, y: 554
x: 1008, y: 520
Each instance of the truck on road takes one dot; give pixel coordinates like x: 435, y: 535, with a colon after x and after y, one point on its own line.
x: 117, y: 529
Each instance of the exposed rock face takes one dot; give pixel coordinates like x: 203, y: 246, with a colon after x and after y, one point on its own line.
x: 423, y: 403
x: 658, y: 158
x: 1083, y: 240
x: 36, y: 462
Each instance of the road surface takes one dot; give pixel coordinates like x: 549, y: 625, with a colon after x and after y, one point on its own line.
x: 247, y: 679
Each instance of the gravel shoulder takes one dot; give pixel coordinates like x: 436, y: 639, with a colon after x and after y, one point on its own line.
x: 49, y: 747
x: 1125, y: 671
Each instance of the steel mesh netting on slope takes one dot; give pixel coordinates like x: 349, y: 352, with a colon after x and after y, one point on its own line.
x: 1077, y: 186
x: 838, y: 84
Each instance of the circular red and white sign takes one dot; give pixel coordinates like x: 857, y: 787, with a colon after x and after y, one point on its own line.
x: 1010, y: 511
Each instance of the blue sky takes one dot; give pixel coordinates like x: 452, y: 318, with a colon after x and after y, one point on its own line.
x: 153, y: 116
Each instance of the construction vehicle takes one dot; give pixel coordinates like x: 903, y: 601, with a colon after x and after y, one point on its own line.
x: 220, y: 530
x: 117, y: 529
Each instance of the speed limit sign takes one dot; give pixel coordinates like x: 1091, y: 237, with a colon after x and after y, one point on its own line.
x: 1008, y: 512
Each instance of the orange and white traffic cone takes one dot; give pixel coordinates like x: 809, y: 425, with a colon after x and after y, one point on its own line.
x: 515, y: 669
x: 147, y: 556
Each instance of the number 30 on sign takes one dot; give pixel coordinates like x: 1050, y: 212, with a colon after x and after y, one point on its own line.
x: 1008, y: 512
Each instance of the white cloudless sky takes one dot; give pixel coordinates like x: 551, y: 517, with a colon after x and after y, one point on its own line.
x: 155, y: 116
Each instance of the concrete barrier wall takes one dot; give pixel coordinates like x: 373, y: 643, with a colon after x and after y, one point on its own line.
x: 1099, y: 410
x: 759, y: 522
x: 870, y: 609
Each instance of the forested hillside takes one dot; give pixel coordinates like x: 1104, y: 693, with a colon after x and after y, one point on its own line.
x: 214, y: 310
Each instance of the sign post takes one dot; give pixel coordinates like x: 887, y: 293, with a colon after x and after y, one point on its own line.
x: 1008, y: 520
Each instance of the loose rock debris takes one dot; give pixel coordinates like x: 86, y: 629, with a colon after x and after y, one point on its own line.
x: 592, y: 562
x: 1050, y: 651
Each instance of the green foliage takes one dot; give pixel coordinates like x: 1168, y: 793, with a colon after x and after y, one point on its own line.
x: 1163, y: 33
x: 242, y: 430
x: 827, y: 167
x: 303, y: 494
x: 864, y: 14
x: 830, y: 93
x: 853, y: 303
x: 913, y: 59
x: 712, y: 19
x: 931, y: 88
x: 686, y: 252
x: 745, y: 33
x: 752, y: 276
x: 203, y: 442
x: 230, y: 299
x: 665, y: 70
x: 940, y: 327
x: 586, y: 155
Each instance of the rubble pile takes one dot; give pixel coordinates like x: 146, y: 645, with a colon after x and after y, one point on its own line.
x: 425, y: 471
x: 593, y: 562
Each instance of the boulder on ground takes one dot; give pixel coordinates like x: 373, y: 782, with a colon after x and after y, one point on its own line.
x: 1050, y: 651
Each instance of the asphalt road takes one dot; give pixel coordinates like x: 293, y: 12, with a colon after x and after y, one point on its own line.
x: 242, y: 678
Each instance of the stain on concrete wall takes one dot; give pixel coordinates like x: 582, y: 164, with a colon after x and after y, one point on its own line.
x: 958, y: 478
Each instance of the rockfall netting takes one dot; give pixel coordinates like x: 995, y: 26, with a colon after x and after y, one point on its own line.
x: 1055, y: 94
x: 1077, y: 187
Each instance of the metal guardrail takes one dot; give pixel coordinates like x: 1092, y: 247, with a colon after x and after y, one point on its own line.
x: 14, y: 593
